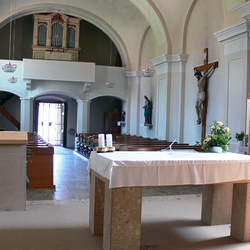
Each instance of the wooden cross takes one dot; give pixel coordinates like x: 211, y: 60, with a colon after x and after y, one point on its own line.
x: 205, y: 67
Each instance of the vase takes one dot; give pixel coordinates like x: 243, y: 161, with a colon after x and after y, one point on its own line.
x: 216, y: 149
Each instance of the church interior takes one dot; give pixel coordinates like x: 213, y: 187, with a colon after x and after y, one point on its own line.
x: 148, y: 72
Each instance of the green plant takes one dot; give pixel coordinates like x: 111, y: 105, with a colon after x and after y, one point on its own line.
x: 219, y: 136
x: 240, y: 136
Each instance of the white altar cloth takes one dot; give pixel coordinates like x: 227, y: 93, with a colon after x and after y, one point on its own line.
x: 182, y: 167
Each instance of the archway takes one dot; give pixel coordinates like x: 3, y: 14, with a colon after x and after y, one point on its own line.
x: 101, y: 106
x: 55, y: 116
x: 9, y: 111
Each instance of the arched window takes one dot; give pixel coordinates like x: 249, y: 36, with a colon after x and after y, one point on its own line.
x: 71, y: 38
x: 42, y: 34
x: 56, y: 35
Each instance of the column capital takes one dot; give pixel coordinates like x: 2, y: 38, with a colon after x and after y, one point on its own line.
x: 170, y: 63
x: 82, y: 101
x: 234, y: 38
x: 158, y: 61
x: 26, y: 98
x: 245, y: 10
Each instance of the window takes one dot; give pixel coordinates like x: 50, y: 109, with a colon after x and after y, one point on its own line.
x: 56, y: 35
x: 71, y: 38
x: 42, y: 34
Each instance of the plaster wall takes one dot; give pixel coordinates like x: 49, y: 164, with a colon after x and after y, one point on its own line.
x: 148, y: 85
x: 174, y: 21
x: 104, y: 74
x: 17, y: 88
x: 206, y: 19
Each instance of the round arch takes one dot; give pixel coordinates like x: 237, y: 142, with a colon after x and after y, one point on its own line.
x: 57, y: 95
x: 156, y: 21
x: 80, y: 13
x: 12, y: 91
x: 185, y: 26
x: 118, y: 96
x: 104, y: 111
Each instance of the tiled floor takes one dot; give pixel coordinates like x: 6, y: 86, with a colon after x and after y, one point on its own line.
x: 71, y: 180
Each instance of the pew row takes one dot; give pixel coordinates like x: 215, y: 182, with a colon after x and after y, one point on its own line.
x: 40, y: 169
x: 86, y: 143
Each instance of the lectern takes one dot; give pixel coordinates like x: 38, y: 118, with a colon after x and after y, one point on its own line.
x: 13, y: 170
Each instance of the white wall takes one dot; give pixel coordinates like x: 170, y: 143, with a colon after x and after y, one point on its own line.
x: 105, y: 74
x: 206, y: 18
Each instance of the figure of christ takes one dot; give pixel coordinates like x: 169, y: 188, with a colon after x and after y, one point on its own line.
x: 201, y: 95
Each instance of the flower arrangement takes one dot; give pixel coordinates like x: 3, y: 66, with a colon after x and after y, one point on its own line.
x: 219, y: 137
x: 240, y: 136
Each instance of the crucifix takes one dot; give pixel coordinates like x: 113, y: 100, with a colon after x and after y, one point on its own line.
x: 202, y: 96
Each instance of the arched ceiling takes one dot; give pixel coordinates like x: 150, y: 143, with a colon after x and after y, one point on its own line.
x: 147, y: 8
x: 83, y: 14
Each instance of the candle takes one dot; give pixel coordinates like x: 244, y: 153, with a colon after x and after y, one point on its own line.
x: 101, y: 143
x: 109, y: 140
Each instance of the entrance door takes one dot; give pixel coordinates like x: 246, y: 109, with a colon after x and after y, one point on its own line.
x: 51, y: 122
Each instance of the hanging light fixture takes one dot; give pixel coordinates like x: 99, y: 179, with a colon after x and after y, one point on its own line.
x: 9, y: 67
x: 147, y: 72
x: 109, y: 84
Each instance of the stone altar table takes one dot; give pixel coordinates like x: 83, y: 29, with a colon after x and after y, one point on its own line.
x: 13, y: 170
x: 116, y: 189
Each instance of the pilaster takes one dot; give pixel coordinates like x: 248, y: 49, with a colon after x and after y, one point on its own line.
x: 26, y: 114
x: 133, y: 108
x: 83, y: 116
x: 171, y: 89
x: 236, y: 42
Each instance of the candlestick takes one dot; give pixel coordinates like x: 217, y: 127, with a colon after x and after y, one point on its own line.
x: 109, y: 140
x: 101, y: 142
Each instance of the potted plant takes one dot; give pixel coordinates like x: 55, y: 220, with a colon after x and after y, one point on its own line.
x: 218, y: 139
x: 240, y: 137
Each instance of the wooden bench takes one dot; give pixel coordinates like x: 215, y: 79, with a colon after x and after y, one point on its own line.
x: 40, y: 169
x: 88, y: 142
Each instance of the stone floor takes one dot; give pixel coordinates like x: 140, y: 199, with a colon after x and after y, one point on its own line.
x: 71, y: 180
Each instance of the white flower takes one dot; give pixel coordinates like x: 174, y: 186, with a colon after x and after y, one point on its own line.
x: 219, y: 123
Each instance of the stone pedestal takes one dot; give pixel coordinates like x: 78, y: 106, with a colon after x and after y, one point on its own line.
x: 240, y: 226
x: 122, y: 214
x: 217, y: 204
x: 96, y: 206
x: 13, y: 170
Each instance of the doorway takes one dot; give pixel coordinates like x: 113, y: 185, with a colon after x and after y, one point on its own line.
x: 51, y: 122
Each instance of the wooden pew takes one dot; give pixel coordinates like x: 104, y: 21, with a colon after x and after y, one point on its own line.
x: 121, y: 142
x: 159, y: 148
x: 40, y: 169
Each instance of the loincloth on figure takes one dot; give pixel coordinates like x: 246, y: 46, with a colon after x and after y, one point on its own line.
x: 201, y: 96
